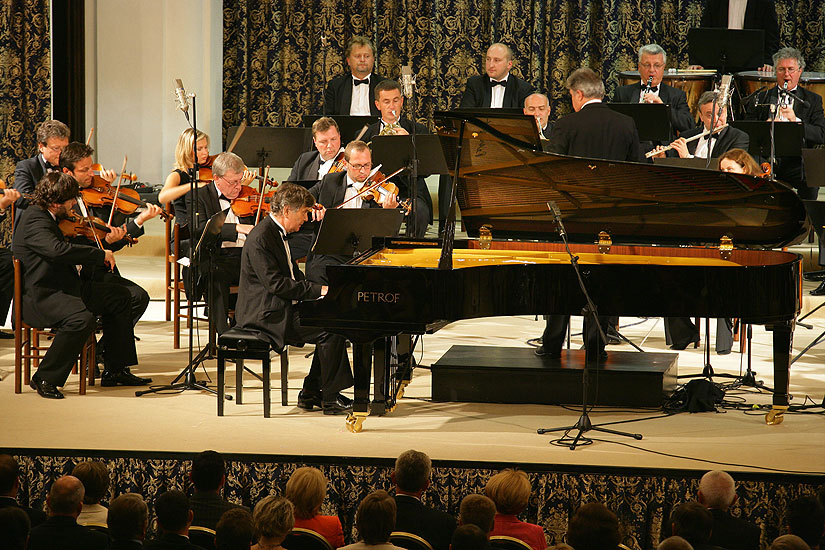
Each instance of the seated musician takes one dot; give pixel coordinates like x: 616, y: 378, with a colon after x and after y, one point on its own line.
x: 739, y: 161
x: 722, y: 141
x: 353, y: 93
x: 228, y: 175
x: 76, y: 159
x: 497, y: 88
x: 56, y: 296
x: 390, y: 102
x: 341, y: 189
x: 750, y: 14
x: 652, y: 62
x: 314, y: 165
x: 270, y: 286
x: 538, y: 106
x: 177, y: 183
x: 7, y: 199
x: 52, y: 137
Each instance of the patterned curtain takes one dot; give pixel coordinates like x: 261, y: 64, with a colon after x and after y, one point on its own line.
x: 641, y: 499
x: 25, y: 81
x: 279, y: 54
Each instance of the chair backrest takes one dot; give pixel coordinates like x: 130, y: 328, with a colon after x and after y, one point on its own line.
x: 305, y: 539
x: 202, y: 536
x: 503, y: 542
x: 409, y: 541
x: 17, y: 310
x: 99, y: 527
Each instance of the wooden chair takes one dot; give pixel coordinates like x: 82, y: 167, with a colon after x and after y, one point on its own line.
x: 28, y: 348
x: 305, y: 539
x: 202, y: 536
x: 503, y: 542
x: 409, y: 541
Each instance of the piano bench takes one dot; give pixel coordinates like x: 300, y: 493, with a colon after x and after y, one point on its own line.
x: 239, y: 345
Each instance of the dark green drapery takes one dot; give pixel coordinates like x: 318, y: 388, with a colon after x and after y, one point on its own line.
x: 275, y: 66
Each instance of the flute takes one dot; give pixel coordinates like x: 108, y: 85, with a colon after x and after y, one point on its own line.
x: 706, y: 133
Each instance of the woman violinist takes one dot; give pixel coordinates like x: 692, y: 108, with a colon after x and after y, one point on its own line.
x: 177, y: 183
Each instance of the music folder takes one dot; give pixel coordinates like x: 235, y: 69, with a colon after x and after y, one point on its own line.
x: 652, y: 119
x: 726, y: 49
x: 261, y: 146
x: 394, y: 152
x: 349, y: 231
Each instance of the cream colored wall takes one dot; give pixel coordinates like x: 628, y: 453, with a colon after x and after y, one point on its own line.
x: 134, y: 51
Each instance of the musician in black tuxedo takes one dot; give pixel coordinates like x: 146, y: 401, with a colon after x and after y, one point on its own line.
x: 271, y: 285
x: 652, y: 62
x: 538, y: 106
x: 6, y: 265
x: 354, y: 93
x: 751, y: 14
x: 390, y: 102
x: 228, y: 177
x: 55, y: 295
x: 52, y: 137
x: 497, y: 88
x: 722, y: 142
x: 341, y: 189
x: 594, y: 130
x: 314, y: 165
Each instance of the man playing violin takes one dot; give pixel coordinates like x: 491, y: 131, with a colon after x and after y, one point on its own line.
x: 76, y: 159
x: 227, y: 182
x: 271, y: 284
x: 390, y: 102
x: 314, y: 165
x: 56, y: 296
x: 52, y: 137
x: 343, y: 189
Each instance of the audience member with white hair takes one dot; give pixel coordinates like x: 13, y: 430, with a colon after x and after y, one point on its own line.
x: 717, y: 493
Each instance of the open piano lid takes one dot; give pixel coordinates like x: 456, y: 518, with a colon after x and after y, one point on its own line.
x: 506, y: 181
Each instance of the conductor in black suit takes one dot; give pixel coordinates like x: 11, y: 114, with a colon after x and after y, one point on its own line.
x: 354, y: 93
x: 314, y: 165
x: 52, y: 137
x: 592, y: 131
x: 652, y: 62
x: 390, y: 102
x: 750, y: 14
x: 55, y: 296
x: 271, y: 285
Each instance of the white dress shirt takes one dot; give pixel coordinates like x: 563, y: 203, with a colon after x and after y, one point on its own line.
x: 642, y: 93
x: 352, y: 189
x: 736, y: 13
x: 497, y: 98
x: 282, y: 233
x: 360, y: 105
x: 325, y: 166
x: 231, y: 217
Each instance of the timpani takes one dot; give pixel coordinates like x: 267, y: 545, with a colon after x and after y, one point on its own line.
x: 750, y: 81
x: 693, y: 82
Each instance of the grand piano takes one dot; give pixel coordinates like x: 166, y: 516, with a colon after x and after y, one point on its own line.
x: 652, y: 241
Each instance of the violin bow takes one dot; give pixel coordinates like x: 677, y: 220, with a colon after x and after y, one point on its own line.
x: 85, y: 213
x: 117, y: 189
x: 261, y: 199
x: 91, y: 132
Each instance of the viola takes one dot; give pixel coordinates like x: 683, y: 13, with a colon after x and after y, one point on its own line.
x: 128, y: 200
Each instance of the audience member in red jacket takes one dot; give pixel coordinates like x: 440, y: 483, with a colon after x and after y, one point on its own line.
x: 510, y: 490
x: 307, y: 488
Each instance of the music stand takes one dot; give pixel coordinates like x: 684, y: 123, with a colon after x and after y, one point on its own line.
x: 349, y: 231
x: 261, y: 146
x: 396, y: 152
x: 726, y: 49
x: 787, y: 137
x: 350, y: 126
x: 814, y: 161
x: 652, y: 119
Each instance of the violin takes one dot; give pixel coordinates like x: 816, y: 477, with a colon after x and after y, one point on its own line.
x: 383, y: 189
x: 339, y: 164
x: 128, y: 200
x: 248, y: 202
x: 92, y: 228
x: 205, y: 169
x: 766, y: 170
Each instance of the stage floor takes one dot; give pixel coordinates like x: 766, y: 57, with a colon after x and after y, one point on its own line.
x: 732, y: 439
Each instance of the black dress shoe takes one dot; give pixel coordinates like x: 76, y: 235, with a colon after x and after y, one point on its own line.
x: 123, y: 378
x: 814, y: 275
x: 145, y: 379
x: 336, y: 407
x: 45, y: 389
x: 820, y: 290
x: 541, y: 351
x: 344, y: 400
x: 309, y: 400
x: 6, y: 335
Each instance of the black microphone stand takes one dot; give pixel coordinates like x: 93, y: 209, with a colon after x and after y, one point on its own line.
x: 412, y: 220
x: 583, y: 424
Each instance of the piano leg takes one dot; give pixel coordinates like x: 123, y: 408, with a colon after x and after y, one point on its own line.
x: 782, y: 341
x: 383, y: 354
x: 361, y: 370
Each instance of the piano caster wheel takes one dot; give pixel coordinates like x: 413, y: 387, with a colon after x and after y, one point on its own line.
x: 355, y: 422
x: 400, y: 393
x: 776, y: 415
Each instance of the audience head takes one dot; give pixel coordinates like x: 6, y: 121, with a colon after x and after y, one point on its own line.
x: 477, y: 510
x: 95, y: 479
x: 412, y: 472
x: 15, y: 526
x: 509, y: 490
x: 806, y: 519
x: 674, y: 543
x: 717, y: 490
x: 738, y: 161
x: 173, y: 512
x: 584, y: 84
x: 306, y: 489
x: 235, y: 530
x: 469, y: 537
x: 789, y: 542
x: 128, y: 517
x: 274, y: 518
x: 65, y: 497
x: 375, y: 518
x: 208, y: 471
x: 593, y: 527
x: 693, y: 522
x: 9, y: 476
x: 52, y: 137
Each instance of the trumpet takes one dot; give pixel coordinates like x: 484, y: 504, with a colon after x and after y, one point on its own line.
x: 706, y: 133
